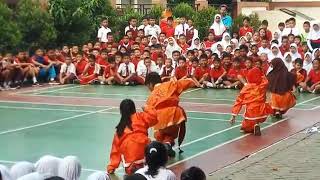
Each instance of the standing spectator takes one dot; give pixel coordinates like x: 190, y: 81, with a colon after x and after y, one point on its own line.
x: 145, y: 23
x: 305, y: 33
x: 103, y: 31
x: 268, y: 34
x: 168, y: 29
x: 132, y: 27
x: 152, y: 28
x: 246, y: 27
x: 280, y: 29
x: 226, y: 19
x: 191, y: 32
x: 291, y: 29
x: 181, y: 28
x: 217, y: 28
x: 313, y: 38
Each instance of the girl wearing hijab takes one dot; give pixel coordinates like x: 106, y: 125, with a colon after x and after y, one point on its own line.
x: 313, y: 39
x: 21, y: 168
x: 48, y: 165
x: 4, y: 173
x: 253, y: 97
x: 294, y: 51
x: 131, y: 137
x: 287, y: 60
x: 242, y: 40
x: 217, y: 28
x: 70, y: 168
x: 315, y: 54
x: 281, y: 83
x: 171, y: 47
x: 217, y: 48
x: 195, y: 44
x: 312, y: 83
x: 99, y: 176
x: 226, y: 40
x: 274, y: 53
x: 234, y: 44
x: 153, y: 40
x: 307, y: 63
x: 156, y: 156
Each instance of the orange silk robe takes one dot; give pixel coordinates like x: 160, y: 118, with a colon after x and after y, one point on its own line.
x: 165, y: 99
x: 132, y: 143
x: 283, y: 102
x: 253, y: 97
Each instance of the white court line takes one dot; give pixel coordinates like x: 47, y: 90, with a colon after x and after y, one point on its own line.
x: 192, y: 90
x: 227, y: 142
x: 312, y: 99
x: 41, y: 89
x: 54, y: 104
x: 60, y: 89
x: 52, y: 122
x: 314, y: 108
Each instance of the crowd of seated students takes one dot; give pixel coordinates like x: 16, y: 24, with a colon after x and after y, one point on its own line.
x: 220, y: 60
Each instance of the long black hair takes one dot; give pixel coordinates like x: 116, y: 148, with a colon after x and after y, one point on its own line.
x: 152, y: 78
x: 193, y: 173
x: 127, y: 109
x: 156, y: 156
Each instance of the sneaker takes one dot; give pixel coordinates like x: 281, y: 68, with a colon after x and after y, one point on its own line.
x: 102, y: 82
x: 256, y: 130
x: 126, y: 83
x: 278, y: 115
x: 171, y: 152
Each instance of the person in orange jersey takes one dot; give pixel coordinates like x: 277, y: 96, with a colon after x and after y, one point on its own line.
x: 281, y: 83
x: 131, y: 137
x: 171, y: 117
x: 253, y: 97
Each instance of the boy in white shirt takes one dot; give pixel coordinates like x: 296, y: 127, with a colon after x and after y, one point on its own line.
x: 142, y: 70
x: 103, y: 31
x: 167, y: 72
x: 181, y: 28
x: 126, y: 71
x: 291, y: 29
x: 152, y: 29
x: 67, y: 71
x: 145, y: 23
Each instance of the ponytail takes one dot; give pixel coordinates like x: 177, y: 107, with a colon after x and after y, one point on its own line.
x: 127, y: 109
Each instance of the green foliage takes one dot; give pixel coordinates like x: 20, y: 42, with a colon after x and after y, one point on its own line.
x: 10, y: 35
x: 180, y: 1
x: 203, y: 20
x: 183, y: 9
x: 156, y: 11
x: 238, y: 22
x: 35, y: 24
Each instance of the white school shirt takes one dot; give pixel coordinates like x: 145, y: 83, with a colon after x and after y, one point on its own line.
x: 122, y: 70
x: 163, y: 174
x: 128, y: 28
x: 179, y: 29
x: 68, y: 69
x: 287, y: 31
x: 102, y: 34
x: 142, y: 70
x: 141, y: 27
x: 152, y: 30
x: 158, y: 69
x: 263, y: 50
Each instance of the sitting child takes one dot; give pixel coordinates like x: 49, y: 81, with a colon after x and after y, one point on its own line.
x: 67, y: 71
x: 167, y: 71
x: 90, y: 72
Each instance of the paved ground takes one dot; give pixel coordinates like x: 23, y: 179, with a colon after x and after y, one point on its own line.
x: 297, y: 157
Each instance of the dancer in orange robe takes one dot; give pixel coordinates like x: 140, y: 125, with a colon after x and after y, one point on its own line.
x: 281, y: 83
x: 131, y: 137
x: 171, y: 117
x: 253, y: 97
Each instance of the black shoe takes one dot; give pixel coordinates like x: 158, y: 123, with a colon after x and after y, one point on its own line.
x: 257, y: 131
x: 171, y: 152
x: 278, y: 115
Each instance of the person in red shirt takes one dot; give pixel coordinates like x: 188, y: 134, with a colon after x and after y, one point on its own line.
x: 167, y: 71
x: 268, y: 34
x: 191, y: 32
x: 183, y: 44
x: 297, y: 41
x: 232, y: 80
x: 217, y: 73
x: 201, y: 74
x: 246, y: 27
x: 125, y: 42
x: 210, y: 41
x: 244, y: 72
x: 226, y: 62
x: 80, y: 63
x: 132, y: 27
x: 136, y: 57
x: 285, y: 46
x: 181, y: 71
x: 27, y: 68
x: 300, y: 73
x: 90, y: 72
x: 102, y: 60
x: 312, y: 82
x: 109, y: 72
x: 254, y: 53
x: 168, y: 29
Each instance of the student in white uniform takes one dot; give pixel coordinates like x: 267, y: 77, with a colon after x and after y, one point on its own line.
x: 156, y: 157
x: 103, y: 31
x: 67, y: 71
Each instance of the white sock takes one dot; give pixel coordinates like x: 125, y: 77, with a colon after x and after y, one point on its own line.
x: 52, y: 79
x: 34, y: 79
x: 209, y: 84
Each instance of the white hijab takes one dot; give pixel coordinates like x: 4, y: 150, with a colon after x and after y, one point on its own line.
x: 195, y: 46
x: 314, y: 35
x: 33, y: 176
x: 307, y: 65
x: 297, y: 54
x: 314, y: 53
x: 70, y: 168
x: 22, y: 168
x: 289, y: 65
x: 272, y: 56
x: 218, y: 28
x: 153, y: 36
x: 171, y: 48
x: 99, y: 176
x: 48, y: 165
x: 224, y: 42
x: 235, y: 42
x: 214, y: 48
x: 5, y: 173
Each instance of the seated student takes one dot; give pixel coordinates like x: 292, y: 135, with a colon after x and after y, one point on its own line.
x: 191, y: 32
x: 244, y: 72
x: 159, y: 64
x: 7, y: 71
x: 90, y: 72
x: 307, y: 62
x: 287, y: 60
x: 136, y: 57
x: 70, y: 168
x: 313, y: 39
x: 80, y: 64
x: 181, y: 72
x: 131, y: 137
x: 312, y: 82
x: 232, y: 80
x: 217, y: 73
x: 53, y: 59
x: 27, y: 68
x: 46, y: 69
x: 156, y: 157
x: 253, y: 97
x: 264, y: 47
x: 300, y: 73
x: 102, y: 59
x: 67, y: 71
x: 125, y: 42
x: 254, y: 53
x: 175, y: 57
x: 294, y: 52
x: 183, y: 44
x: 281, y: 83
x: 145, y: 69
x: 157, y: 52
x: 262, y: 65
x: 246, y: 27
x: 297, y: 41
x: 193, y: 67
x: 168, y: 29
x: 193, y: 173
x: 109, y: 73
x: 210, y: 41
x: 167, y: 71
x: 189, y: 57
x: 217, y: 28
x: 201, y: 74
x: 226, y: 62
x: 126, y: 71
x: 74, y: 51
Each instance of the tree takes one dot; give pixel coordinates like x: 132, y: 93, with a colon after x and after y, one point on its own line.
x: 35, y: 24
x: 10, y: 35
x: 203, y: 19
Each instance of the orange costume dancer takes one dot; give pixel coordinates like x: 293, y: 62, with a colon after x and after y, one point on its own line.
x: 171, y: 117
x: 253, y: 97
x: 131, y: 137
x: 281, y: 83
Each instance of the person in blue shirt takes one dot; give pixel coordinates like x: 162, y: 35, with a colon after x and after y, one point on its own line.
x: 226, y: 19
